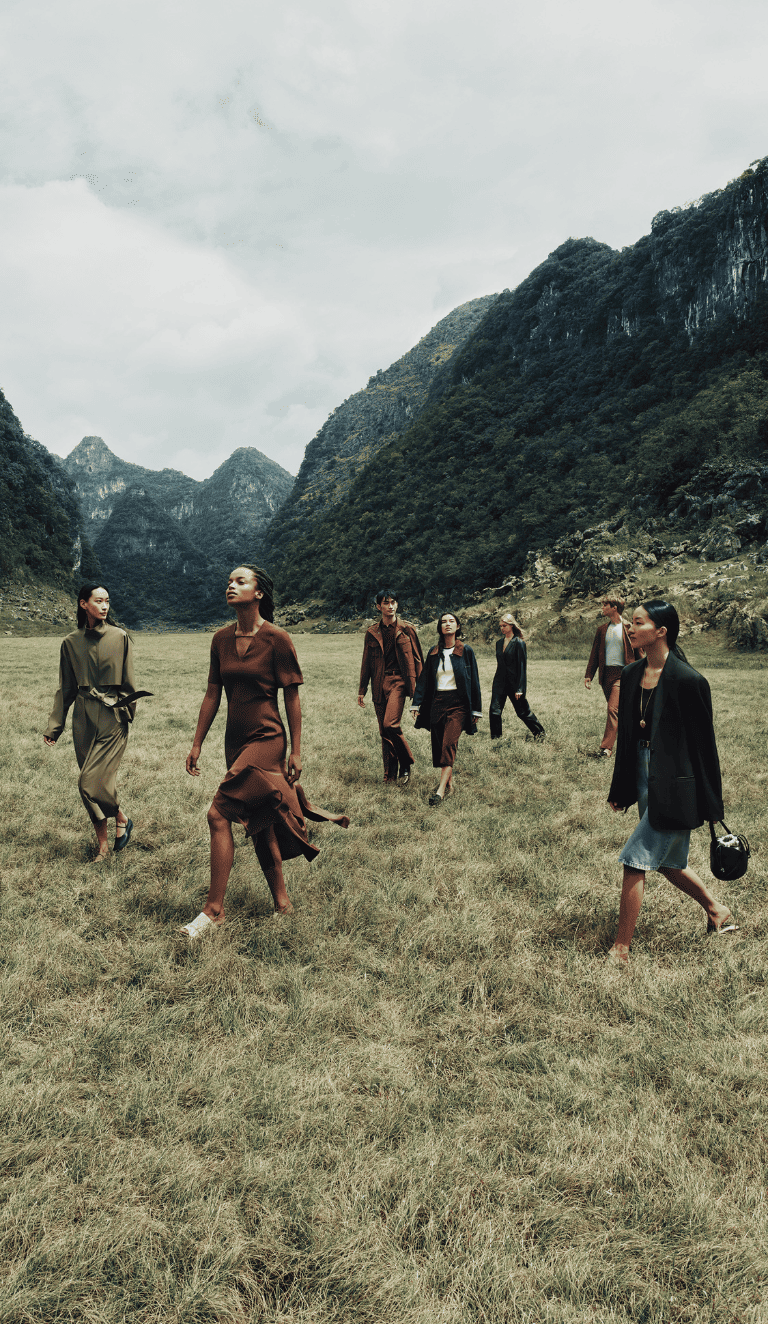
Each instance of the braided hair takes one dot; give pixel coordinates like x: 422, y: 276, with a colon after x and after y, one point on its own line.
x: 266, y: 586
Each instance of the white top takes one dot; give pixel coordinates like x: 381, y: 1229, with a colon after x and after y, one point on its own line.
x: 445, y: 677
x: 614, y: 645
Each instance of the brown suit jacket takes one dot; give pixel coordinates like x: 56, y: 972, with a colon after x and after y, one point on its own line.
x: 410, y: 659
x: 596, y: 661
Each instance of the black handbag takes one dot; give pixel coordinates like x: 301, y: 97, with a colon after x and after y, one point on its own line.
x: 728, y: 855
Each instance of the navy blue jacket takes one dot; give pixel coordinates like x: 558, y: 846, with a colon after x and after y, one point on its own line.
x: 467, y: 685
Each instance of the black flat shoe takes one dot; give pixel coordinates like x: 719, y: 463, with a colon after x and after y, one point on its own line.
x: 122, y: 842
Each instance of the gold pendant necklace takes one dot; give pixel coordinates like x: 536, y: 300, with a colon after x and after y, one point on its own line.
x: 643, y: 711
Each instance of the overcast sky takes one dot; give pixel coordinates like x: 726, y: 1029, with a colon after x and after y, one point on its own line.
x: 219, y: 219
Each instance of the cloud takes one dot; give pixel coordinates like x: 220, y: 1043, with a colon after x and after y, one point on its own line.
x: 218, y: 222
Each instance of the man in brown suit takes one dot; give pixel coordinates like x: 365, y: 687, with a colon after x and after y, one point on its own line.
x: 392, y: 662
x: 611, y: 652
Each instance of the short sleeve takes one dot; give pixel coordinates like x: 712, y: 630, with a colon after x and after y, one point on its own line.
x: 214, y: 672
x: 285, y: 663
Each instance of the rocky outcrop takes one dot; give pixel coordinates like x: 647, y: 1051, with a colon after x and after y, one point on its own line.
x: 152, y: 569
x: 230, y: 512
x: 366, y: 421
x: 154, y: 526
x: 234, y: 505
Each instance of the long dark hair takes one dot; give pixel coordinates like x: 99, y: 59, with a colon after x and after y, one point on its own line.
x: 83, y: 594
x: 664, y: 614
x: 267, y: 588
x: 440, y: 635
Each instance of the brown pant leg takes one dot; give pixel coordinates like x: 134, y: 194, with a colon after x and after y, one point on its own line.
x: 396, y: 753
x: 447, y: 724
x: 611, y: 678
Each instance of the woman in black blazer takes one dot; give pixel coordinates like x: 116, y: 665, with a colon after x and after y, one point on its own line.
x: 666, y: 762
x: 447, y: 699
x: 510, y: 680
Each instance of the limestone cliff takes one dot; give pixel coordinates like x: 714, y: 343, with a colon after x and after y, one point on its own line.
x: 379, y: 413
x: 171, y: 533
x: 598, y: 388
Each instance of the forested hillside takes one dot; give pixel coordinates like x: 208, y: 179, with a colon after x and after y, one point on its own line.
x: 39, y: 514
x: 367, y: 421
x: 601, y: 385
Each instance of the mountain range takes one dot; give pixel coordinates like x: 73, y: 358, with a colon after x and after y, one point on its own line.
x: 153, y: 530
x: 613, y: 396
x: 622, y: 386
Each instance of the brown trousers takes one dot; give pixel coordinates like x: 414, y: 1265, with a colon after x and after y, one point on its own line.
x: 446, y: 723
x: 395, y: 750
x: 610, y: 684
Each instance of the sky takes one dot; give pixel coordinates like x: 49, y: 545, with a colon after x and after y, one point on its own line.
x: 217, y: 221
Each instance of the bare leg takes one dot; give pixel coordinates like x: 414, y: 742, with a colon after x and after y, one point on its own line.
x: 632, y: 889
x: 271, y: 861
x: 222, y: 857
x: 100, y: 828
x: 690, y: 883
x: 445, y: 787
x: 120, y: 821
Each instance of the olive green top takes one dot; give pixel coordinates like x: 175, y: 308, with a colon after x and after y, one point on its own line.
x: 95, y: 664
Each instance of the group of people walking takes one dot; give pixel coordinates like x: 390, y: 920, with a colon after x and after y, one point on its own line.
x: 444, y: 688
x: 659, y: 716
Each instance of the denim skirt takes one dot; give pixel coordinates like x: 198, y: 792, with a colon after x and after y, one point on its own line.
x: 648, y: 847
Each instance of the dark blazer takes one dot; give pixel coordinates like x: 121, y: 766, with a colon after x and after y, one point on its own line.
x: 410, y: 659
x: 684, y: 784
x: 511, y: 667
x: 596, y: 661
x: 467, y: 685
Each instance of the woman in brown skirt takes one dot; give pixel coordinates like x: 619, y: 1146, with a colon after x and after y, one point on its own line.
x: 252, y: 660
x: 447, y: 699
x: 96, y: 675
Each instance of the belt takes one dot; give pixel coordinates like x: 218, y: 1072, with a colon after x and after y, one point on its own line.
x: 643, y: 744
x: 392, y: 673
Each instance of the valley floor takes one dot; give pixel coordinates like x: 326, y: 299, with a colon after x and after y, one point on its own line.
x: 424, y: 1098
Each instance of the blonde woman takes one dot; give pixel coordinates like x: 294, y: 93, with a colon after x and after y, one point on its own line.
x: 510, y: 679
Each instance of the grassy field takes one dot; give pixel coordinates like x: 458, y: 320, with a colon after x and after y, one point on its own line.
x: 425, y: 1098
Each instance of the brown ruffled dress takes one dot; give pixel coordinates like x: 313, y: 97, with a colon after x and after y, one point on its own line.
x: 256, y: 791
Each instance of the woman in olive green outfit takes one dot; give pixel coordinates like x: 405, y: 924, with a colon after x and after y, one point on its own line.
x: 96, y: 672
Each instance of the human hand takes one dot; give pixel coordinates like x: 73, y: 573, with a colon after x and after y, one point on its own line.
x: 360, y: 701
x: 414, y: 713
x: 192, y: 757
x: 519, y: 696
x: 48, y: 740
x: 616, y: 808
x: 587, y: 683
x: 294, y: 768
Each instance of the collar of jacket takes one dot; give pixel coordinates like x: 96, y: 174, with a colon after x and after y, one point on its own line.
x: 375, y: 630
x: 458, y: 649
x: 672, y: 672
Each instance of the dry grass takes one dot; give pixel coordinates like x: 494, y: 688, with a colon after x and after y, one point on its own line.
x: 425, y: 1098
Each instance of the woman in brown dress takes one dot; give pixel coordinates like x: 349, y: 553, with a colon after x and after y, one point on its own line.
x: 95, y: 674
x: 252, y: 660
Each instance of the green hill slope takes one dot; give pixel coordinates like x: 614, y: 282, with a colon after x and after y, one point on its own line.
x: 601, y: 385
x: 39, y: 514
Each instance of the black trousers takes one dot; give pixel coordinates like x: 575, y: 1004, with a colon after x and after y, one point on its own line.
x: 522, y: 709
